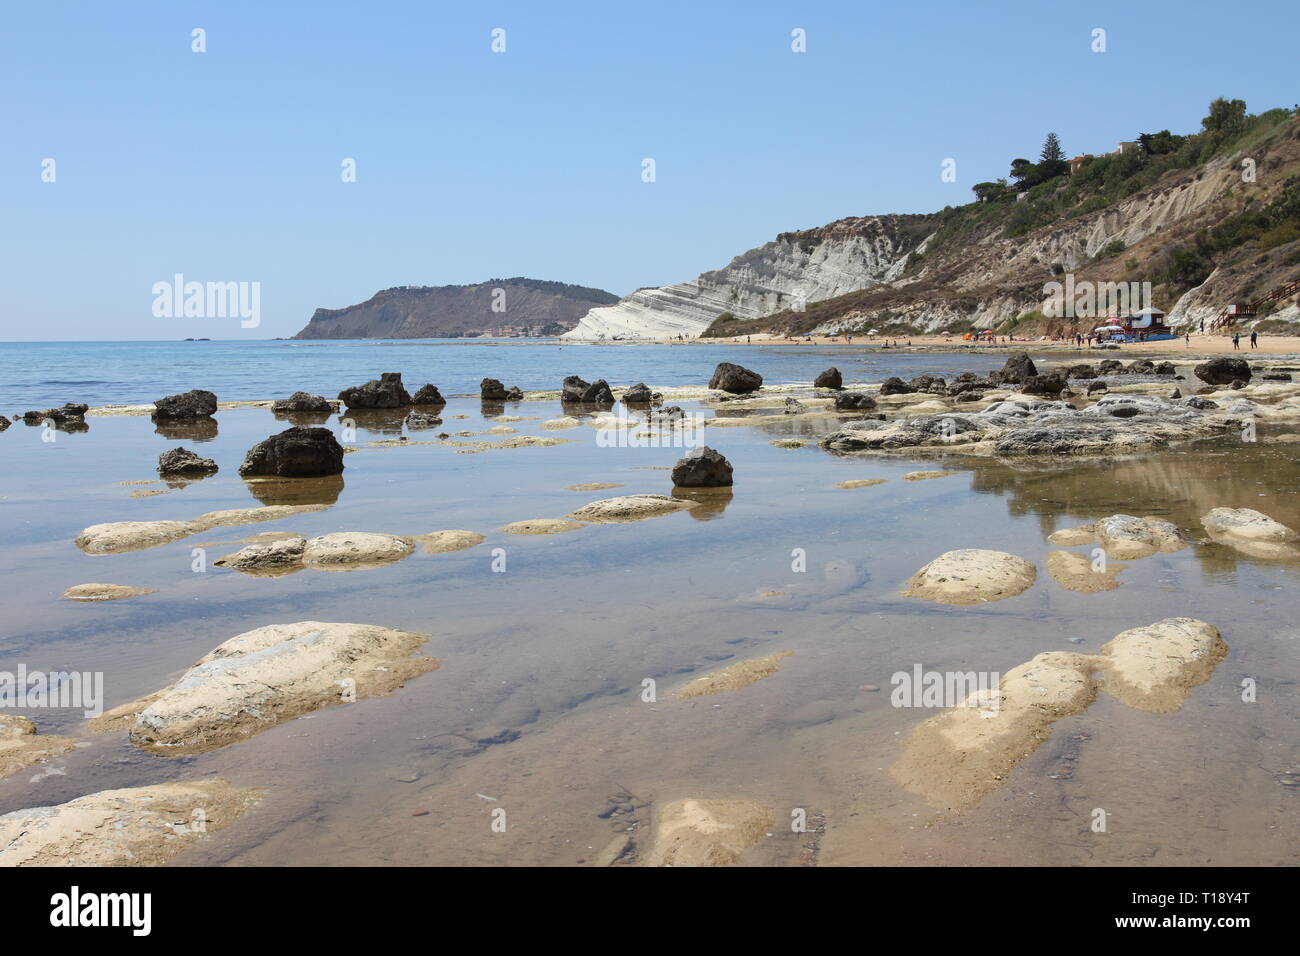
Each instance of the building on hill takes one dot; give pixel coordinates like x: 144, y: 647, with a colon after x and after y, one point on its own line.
x: 1077, y: 162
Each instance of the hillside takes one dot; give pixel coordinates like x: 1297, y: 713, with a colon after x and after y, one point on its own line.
x: 523, y: 307
x: 1207, y: 219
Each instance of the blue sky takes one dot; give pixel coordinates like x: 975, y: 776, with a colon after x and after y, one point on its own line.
x: 225, y: 165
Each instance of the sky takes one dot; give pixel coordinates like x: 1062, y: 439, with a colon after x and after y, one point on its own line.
x: 227, y: 165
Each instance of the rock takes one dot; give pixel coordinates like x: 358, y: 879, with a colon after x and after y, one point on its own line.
x: 971, y: 576
x: 428, y: 395
x: 638, y: 394
x: 442, y: 542
x: 1018, y: 368
x: 830, y: 378
x: 861, y: 483
x: 1273, y: 377
x: 969, y: 396
x: 491, y: 389
x: 702, y: 468
x: 21, y: 747
x: 794, y: 407
x: 708, y: 832
x: 927, y: 475
x: 1124, y: 537
x: 895, y: 386
x: 541, y: 526
x: 732, y: 677
x: 1076, y: 572
x: 419, y: 420
x: 629, y: 508
x: 70, y: 414
x: 295, y: 453
x: 197, y: 403
x: 560, y: 424
x: 118, y: 537
x: 593, y: 486
x: 267, y: 559
x: 140, y: 826
x: 514, y: 394
x: 1166, y: 369
x: 1175, y: 394
x: 387, y: 391
x: 1223, y: 370
x: 183, y: 463
x: 266, y: 676
x: 735, y: 379
x: 104, y: 592
x: 1097, y: 387
x: 576, y: 389
x: 1052, y: 383
x: 1202, y: 403
x: 953, y: 759
x: 1251, y: 532
x: 854, y: 401
x: 303, y: 402
x: 929, y: 384
x: 1082, y: 370
x: 354, y: 551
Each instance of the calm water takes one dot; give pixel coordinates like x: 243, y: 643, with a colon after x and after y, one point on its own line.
x: 40, y: 374
x: 537, y: 702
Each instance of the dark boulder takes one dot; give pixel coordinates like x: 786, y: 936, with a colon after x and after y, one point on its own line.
x: 1109, y: 366
x: 428, y: 395
x: 387, y: 391
x: 514, y: 394
x: 295, y: 453
x: 492, y: 390
x: 854, y: 401
x: 1166, y: 368
x: 1141, y: 367
x: 183, y: 463
x: 895, y: 386
x: 303, y: 402
x: 193, y: 404
x: 702, y: 468
x: 830, y: 378
x: 576, y: 389
x: 4, y: 423
x: 969, y: 395
x: 638, y: 394
x: 735, y: 379
x: 422, y: 420
x: 1223, y: 370
x: 673, y: 413
x: 1097, y: 387
x: 1082, y: 370
x: 1204, y: 404
x: 930, y: 384
x: 1277, y: 377
x: 1050, y: 384
x: 70, y: 414
x: 1018, y: 368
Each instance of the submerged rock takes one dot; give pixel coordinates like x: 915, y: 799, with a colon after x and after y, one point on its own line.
x: 117, y: 537
x: 140, y: 826
x: 295, y: 453
x: 21, y: 747
x: 441, y: 542
x: 1124, y: 536
x: 708, y: 832
x: 71, y: 413
x: 971, y: 576
x: 732, y: 677
x: 1077, y: 572
x: 735, y: 379
x: 354, y: 550
x: 183, y: 463
x: 387, y: 391
x: 197, y: 403
x: 702, y: 468
x: 541, y: 526
x: 267, y: 558
x: 1251, y: 532
x: 104, y: 592
x: 266, y: 676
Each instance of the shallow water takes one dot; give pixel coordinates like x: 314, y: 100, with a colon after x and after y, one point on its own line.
x: 537, y: 707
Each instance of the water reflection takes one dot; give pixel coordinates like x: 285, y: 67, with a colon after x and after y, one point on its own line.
x: 296, y: 491
x: 197, y: 429
x: 710, y: 503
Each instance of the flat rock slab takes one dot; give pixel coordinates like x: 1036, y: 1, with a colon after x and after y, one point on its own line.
x: 271, y: 558
x: 441, y: 542
x: 708, y: 832
x: 1124, y: 537
x: 119, y: 537
x: 266, y: 676
x: 1251, y: 532
x: 354, y: 551
x: 104, y: 592
x: 971, y: 576
x: 629, y: 508
x: 142, y: 826
x: 541, y: 526
x: 21, y: 746
x: 733, y: 676
x: 594, y: 486
x: 927, y: 475
x: 861, y: 483
x: 956, y: 757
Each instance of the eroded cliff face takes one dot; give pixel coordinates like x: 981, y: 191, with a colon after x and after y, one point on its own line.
x: 795, y: 268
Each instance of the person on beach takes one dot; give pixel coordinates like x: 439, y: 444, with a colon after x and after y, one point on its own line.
x: 1254, y: 339
x: 1188, y: 336
x: 1236, y: 341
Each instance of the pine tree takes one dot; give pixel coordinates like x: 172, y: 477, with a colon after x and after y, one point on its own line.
x: 1052, y: 152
